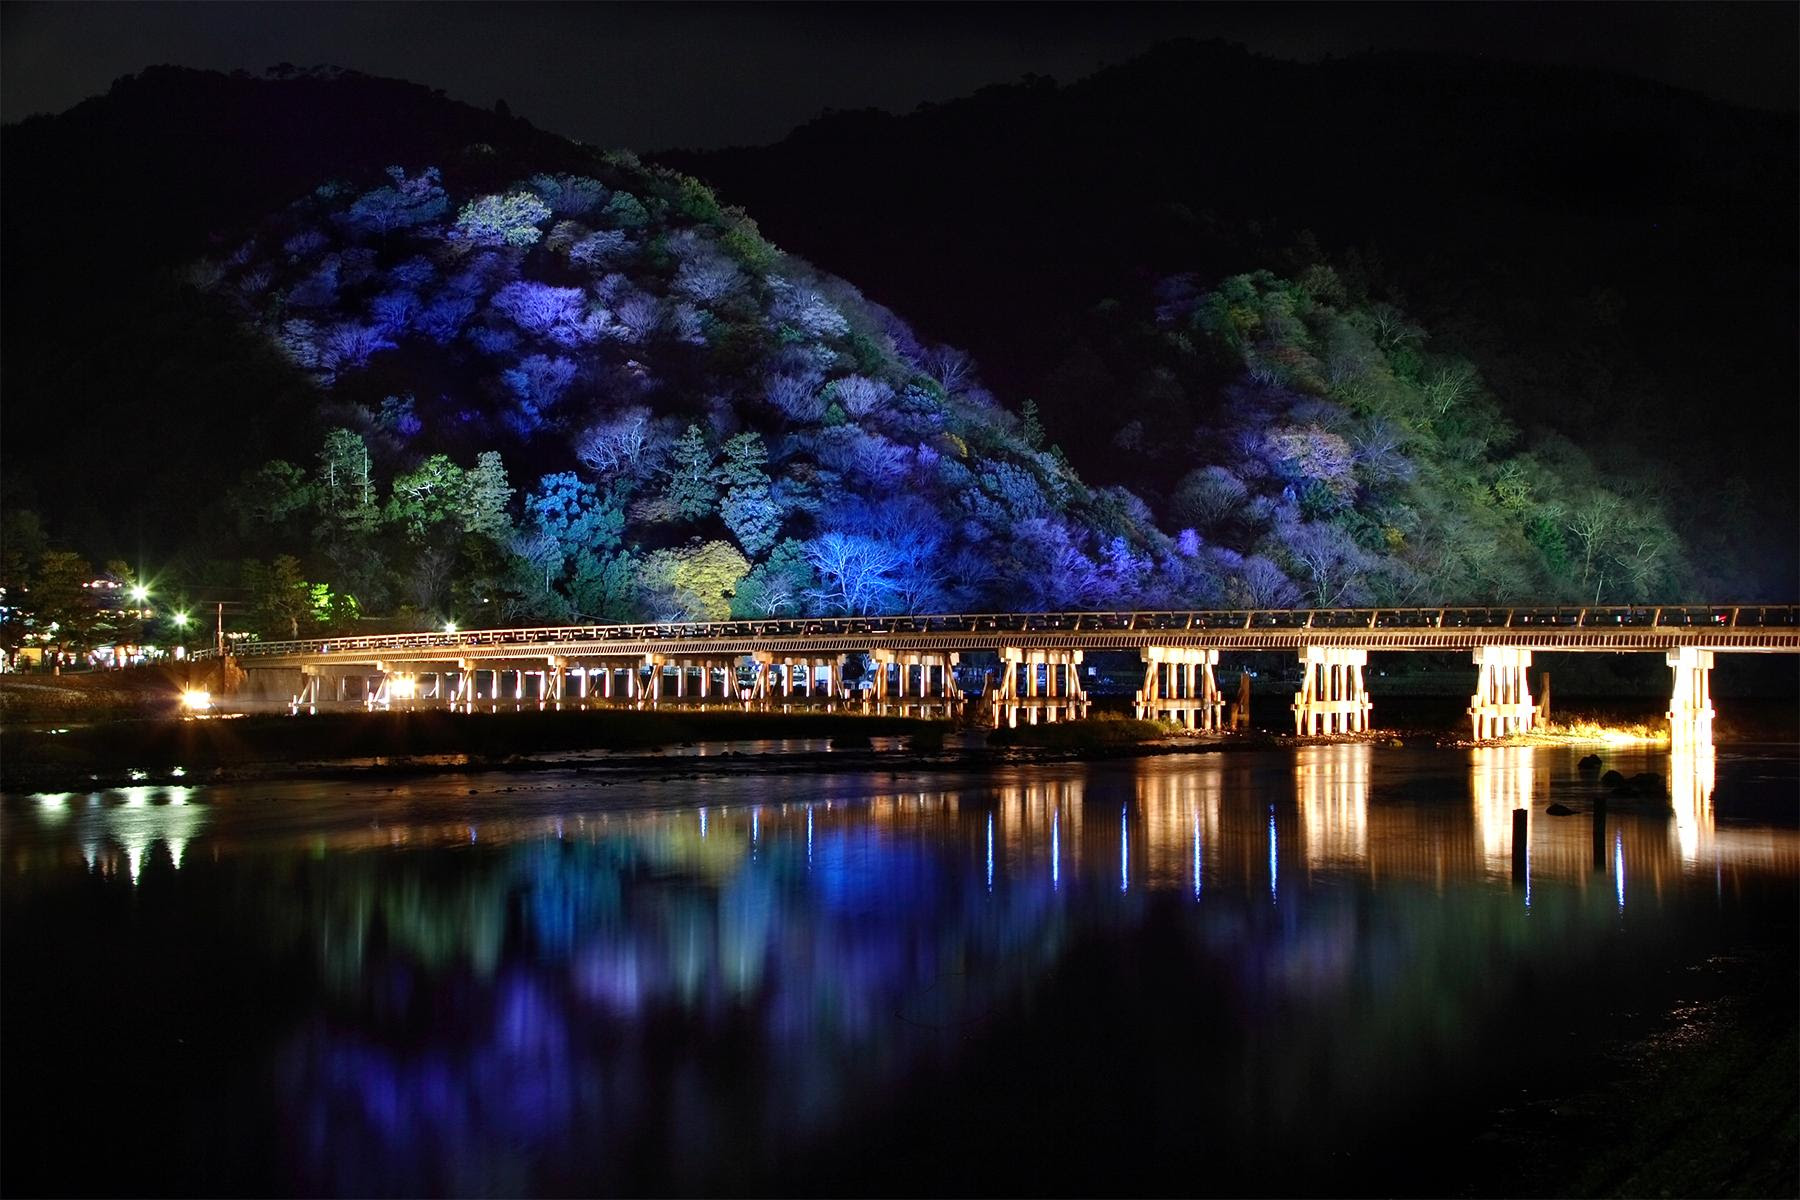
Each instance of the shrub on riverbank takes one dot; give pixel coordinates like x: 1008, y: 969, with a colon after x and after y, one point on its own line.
x: 35, y: 757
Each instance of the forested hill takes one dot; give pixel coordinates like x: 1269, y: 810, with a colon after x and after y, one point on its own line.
x: 101, y: 363
x: 513, y: 378
x: 1616, y: 256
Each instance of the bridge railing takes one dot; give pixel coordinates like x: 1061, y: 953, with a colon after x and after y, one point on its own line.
x: 1488, y: 617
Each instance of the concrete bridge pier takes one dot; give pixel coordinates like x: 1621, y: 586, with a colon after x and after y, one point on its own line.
x: 936, y: 693
x: 1690, y: 706
x: 308, y: 695
x: 1332, y: 697
x: 1502, y: 703
x: 388, y: 685
x: 812, y: 674
x: 463, y: 696
x: 1059, y: 699
x: 1181, y: 684
x: 650, y: 696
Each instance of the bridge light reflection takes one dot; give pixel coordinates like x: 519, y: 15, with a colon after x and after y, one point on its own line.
x: 1692, y: 774
x: 1125, y: 849
x: 990, y: 852
x: 1196, y: 853
x: 1274, y: 867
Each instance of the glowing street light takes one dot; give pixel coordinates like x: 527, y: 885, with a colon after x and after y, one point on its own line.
x: 449, y: 626
x: 139, y: 592
x: 181, y: 620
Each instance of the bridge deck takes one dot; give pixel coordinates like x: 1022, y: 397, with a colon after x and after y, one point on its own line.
x: 1740, y: 628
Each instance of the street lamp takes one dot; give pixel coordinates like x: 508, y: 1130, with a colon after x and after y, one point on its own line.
x: 181, y: 620
x: 449, y: 626
x: 139, y: 592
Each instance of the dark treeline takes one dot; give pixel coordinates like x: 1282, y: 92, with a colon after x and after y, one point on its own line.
x: 1614, y: 255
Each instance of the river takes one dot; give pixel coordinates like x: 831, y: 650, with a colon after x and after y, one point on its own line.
x: 1264, y: 971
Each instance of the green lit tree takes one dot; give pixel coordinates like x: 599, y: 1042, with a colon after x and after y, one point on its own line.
x: 485, y: 497
x: 749, y: 507
x: 280, y: 597
x: 692, y: 490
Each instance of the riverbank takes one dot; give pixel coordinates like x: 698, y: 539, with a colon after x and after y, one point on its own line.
x: 275, y: 746
x: 1692, y: 1096
x: 45, y: 756
x: 139, y: 693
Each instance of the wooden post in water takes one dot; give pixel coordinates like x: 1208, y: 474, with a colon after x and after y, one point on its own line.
x: 1521, y: 841
x: 1240, y: 712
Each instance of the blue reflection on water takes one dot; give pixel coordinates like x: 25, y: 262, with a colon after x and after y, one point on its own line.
x: 1124, y: 849
x: 517, y: 1015
x: 1196, y: 854
x: 990, y: 852
x: 1274, y: 867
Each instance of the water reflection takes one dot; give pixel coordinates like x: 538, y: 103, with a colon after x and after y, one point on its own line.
x: 1692, y: 776
x: 1331, y: 786
x: 118, y: 830
x: 552, y: 991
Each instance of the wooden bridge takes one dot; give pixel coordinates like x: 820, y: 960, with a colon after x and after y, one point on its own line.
x: 913, y: 661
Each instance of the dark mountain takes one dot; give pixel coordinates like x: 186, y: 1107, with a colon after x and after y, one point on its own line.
x: 415, y: 358
x: 1616, y: 256
x: 105, y: 204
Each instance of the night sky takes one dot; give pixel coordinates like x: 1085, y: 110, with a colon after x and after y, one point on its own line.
x: 703, y: 76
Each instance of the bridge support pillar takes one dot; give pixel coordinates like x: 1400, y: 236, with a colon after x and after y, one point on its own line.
x: 656, y: 664
x: 940, y: 696
x: 463, y: 696
x: 1502, y: 703
x: 1017, y: 692
x: 308, y: 695
x: 1332, y: 698
x: 761, y: 664
x: 1181, y: 684
x: 1690, y: 706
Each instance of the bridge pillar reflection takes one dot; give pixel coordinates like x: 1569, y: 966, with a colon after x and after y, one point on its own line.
x: 1181, y: 684
x: 1502, y: 703
x: 1332, y: 698
x: 1690, y: 707
x: 1502, y: 779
